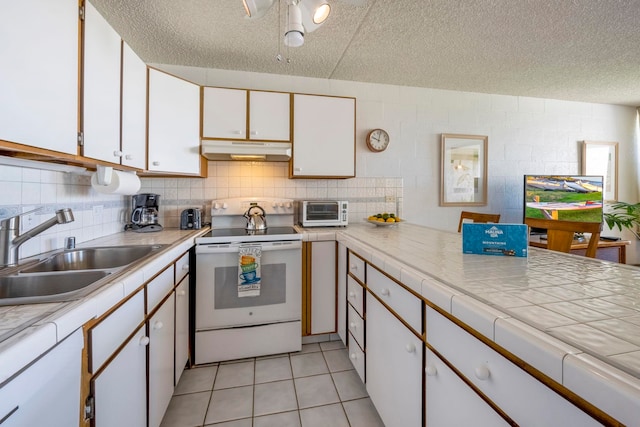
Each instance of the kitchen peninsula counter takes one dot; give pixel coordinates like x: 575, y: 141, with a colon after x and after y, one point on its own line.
x: 575, y: 319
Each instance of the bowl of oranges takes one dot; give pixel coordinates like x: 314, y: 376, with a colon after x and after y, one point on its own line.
x: 384, y: 219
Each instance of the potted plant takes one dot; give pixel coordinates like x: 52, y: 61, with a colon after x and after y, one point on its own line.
x: 625, y: 215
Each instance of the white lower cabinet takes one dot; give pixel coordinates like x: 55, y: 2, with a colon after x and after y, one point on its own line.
x: 161, y: 359
x: 449, y: 402
x: 342, y: 290
x: 323, y: 287
x: 522, y: 397
x: 393, y: 367
x: 46, y: 392
x: 182, y: 329
x: 120, y: 390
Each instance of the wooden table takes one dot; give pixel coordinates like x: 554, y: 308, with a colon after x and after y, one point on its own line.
x: 615, y: 251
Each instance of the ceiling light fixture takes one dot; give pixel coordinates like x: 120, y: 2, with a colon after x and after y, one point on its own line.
x: 294, y: 32
x: 314, y: 13
x: 257, y: 8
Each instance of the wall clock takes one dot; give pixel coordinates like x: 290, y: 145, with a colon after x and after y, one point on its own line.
x: 377, y: 140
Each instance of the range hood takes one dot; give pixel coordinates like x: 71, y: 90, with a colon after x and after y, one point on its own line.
x: 249, y: 150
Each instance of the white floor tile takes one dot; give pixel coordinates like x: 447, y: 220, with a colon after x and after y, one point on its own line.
x: 315, y: 391
x: 274, y: 397
x: 273, y: 370
x: 324, y: 416
x: 331, y: 345
x: 338, y: 360
x: 349, y: 385
x: 234, y: 375
x: 230, y: 404
x: 187, y: 410
x: 362, y: 413
x: 246, y: 422
x: 305, y: 365
x: 196, y: 379
x: 283, y: 419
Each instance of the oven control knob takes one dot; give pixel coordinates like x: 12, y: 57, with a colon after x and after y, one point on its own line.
x: 288, y: 205
x: 216, y: 206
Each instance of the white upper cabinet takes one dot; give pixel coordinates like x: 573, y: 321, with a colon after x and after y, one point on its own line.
x: 174, y: 119
x: 39, y: 76
x: 101, y: 119
x: 323, y: 137
x: 238, y: 114
x: 134, y: 109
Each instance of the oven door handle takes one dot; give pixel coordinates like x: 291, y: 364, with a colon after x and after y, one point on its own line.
x: 235, y: 247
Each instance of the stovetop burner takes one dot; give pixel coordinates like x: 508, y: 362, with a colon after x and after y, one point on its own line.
x: 229, y: 232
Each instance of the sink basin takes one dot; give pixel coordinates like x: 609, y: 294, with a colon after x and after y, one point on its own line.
x: 32, y: 288
x: 98, y: 258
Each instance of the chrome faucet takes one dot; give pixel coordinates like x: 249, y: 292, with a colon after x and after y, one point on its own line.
x: 11, y: 239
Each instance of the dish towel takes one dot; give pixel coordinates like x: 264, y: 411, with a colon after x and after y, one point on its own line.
x: 249, y: 268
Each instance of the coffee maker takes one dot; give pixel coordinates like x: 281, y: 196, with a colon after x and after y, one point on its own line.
x: 144, y: 213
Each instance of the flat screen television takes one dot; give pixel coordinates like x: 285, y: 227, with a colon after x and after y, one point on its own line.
x: 563, y: 197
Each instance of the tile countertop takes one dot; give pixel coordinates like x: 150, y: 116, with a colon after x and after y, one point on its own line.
x: 570, y: 305
x: 28, y: 330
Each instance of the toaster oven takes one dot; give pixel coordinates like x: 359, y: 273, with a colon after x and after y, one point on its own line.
x: 321, y: 213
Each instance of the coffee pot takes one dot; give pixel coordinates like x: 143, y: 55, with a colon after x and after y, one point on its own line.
x: 256, y: 221
x: 144, y: 213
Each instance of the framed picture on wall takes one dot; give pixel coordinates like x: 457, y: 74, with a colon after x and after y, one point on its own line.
x: 601, y: 158
x: 463, y: 170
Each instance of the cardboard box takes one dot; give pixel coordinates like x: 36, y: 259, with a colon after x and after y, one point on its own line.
x: 495, y: 239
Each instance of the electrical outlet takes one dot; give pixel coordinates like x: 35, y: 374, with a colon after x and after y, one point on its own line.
x: 29, y: 220
x: 390, y: 199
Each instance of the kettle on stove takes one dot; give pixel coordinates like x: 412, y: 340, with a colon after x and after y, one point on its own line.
x: 255, y: 221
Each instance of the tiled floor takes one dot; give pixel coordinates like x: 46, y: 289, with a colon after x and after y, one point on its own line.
x: 316, y: 387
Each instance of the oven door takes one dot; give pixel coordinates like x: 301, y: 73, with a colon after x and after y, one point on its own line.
x: 217, y: 302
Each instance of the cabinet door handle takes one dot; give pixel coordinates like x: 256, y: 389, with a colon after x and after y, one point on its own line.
x: 185, y: 267
x: 385, y: 292
x: 182, y: 293
x: 156, y: 163
x: 352, y: 294
x: 431, y: 370
x: 144, y: 340
x: 254, y: 132
x: 118, y: 153
x: 158, y: 324
x: 353, y: 325
x: 482, y: 372
x: 128, y: 157
x: 411, y: 348
x: 354, y: 267
x: 353, y: 356
x: 237, y: 132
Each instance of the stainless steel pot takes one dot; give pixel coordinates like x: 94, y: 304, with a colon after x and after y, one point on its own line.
x: 256, y: 221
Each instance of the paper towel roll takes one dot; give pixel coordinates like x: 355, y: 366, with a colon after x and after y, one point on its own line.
x: 121, y: 183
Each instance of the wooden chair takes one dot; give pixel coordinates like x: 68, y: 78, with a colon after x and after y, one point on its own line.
x: 560, y: 234
x: 477, y: 217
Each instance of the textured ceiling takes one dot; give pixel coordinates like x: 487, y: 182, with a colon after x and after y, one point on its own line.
x: 579, y: 50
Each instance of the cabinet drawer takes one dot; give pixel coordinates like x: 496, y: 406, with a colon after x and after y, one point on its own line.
x: 109, y: 334
x: 355, y: 295
x: 356, y: 355
x: 523, y: 398
x: 182, y: 267
x: 356, y: 326
x: 158, y: 288
x: 356, y: 266
x: 403, y: 302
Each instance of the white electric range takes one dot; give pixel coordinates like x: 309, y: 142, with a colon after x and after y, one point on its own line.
x: 248, y: 309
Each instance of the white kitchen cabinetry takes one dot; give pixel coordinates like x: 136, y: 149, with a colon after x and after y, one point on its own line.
x: 182, y: 329
x: 323, y: 137
x: 393, y: 367
x: 120, y: 390
x: 161, y: 360
x: 342, y: 292
x: 174, y: 123
x: 134, y: 109
x: 48, y: 391
x: 450, y: 402
x: 101, y: 88
x: 238, y: 114
x: 40, y: 89
x: 323, y: 287
x: 522, y: 397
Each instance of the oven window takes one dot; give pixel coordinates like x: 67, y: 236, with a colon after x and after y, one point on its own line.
x: 322, y: 211
x: 272, y: 288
